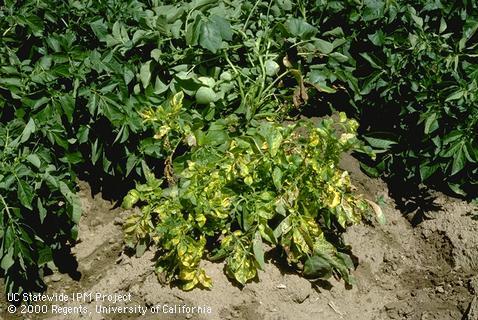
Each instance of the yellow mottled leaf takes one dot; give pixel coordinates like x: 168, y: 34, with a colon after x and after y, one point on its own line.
x: 187, y: 274
x: 336, y: 200
x: 177, y: 101
x: 182, y: 249
x: 200, y: 219
x: 204, y: 280
x: 190, y: 285
x: 163, y: 130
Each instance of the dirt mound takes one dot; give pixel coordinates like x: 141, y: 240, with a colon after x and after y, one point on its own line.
x: 427, y: 272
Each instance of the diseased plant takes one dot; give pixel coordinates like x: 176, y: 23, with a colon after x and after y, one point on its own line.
x: 273, y: 184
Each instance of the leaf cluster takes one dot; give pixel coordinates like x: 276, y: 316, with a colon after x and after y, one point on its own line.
x: 38, y: 207
x: 270, y: 186
x: 413, y: 86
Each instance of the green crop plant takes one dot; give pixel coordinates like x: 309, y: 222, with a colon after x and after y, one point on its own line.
x: 38, y: 207
x: 412, y: 84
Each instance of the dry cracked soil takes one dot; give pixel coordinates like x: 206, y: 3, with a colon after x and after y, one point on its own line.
x: 419, y: 273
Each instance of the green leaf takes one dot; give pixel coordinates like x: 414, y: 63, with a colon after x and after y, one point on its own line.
x: 451, y: 151
x: 459, y: 161
x: 318, y: 76
x: 210, y: 37
x: 95, y: 151
x: 336, y: 32
x: 215, y: 137
x: 100, y: 29
x: 41, y: 210
x: 119, y: 32
x: 132, y: 161
x: 267, y: 234
x: 108, y: 88
x: 339, y: 57
x: 326, y: 89
x: 68, y: 105
x: 316, y: 266
x: 300, y: 28
x: 258, y: 248
x: 370, y: 82
x: 207, y: 81
x: 145, y: 74
x: 277, y: 177
x: 25, y: 194
x: 82, y: 134
x: 324, y: 46
x: 223, y: 26
x: 274, y: 140
x: 7, y: 82
x: 73, y: 200
x: 377, y: 38
x: 431, y: 124
x: 468, y: 151
x: 455, y: 96
x: 194, y: 31
x: 418, y: 20
x: 45, y: 255
x: 76, y: 208
x: 7, y: 260
x: 156, y: 55
x: 283, y: 227
x: 443, y: 25
x: 73, y: 157
x: 427, y: 171
x: 456, y: 189
x: 374, y: 61
x: 34, y: 159
x: 380, y: 143
x: 29, y: 129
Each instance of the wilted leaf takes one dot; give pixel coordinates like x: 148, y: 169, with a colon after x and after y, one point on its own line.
x: 378, y: 212
x: 316, y: 266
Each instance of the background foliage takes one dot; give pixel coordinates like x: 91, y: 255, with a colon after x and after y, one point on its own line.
x: 416, y: 67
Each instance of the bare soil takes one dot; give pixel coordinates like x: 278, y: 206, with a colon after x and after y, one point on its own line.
x: 422, y: 273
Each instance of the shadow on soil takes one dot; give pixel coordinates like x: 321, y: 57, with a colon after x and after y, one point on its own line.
x: 414, y: 201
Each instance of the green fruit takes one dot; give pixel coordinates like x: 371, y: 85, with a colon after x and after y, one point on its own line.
x: 226, y: 76
x: 205, y: 95
x: 272, y: 67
